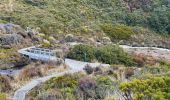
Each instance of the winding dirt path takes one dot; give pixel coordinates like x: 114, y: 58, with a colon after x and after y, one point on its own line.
x: 157, y: 53
x: 77, y: 66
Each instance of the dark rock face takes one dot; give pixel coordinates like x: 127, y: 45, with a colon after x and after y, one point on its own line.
x: 11, y: 34
x: 13, y: 37
x: 10, y: 39
x: 10, y: 29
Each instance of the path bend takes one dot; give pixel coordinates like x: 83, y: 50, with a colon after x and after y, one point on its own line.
x: 75, y: 66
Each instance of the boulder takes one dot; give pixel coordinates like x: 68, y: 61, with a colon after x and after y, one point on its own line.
x: 10, y: 39
x: 11, y: 28
x: 11, y: 34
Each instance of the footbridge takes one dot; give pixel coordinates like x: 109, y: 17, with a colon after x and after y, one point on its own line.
x: 39, y: 53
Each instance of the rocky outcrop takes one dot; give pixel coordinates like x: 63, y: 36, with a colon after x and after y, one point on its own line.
x: 11, y: 28
x: 8, y: 39
x: 11, y: 34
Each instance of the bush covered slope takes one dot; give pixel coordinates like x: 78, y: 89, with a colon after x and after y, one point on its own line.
x: 86, y: 16
x: 109, y: 54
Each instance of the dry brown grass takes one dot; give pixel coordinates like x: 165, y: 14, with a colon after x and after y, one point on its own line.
x: 39, y: 69
x: 32, y: 70
x: 51, y: 94
x: 142, y: 59
x: 129, y: 72
x: 5, y: 85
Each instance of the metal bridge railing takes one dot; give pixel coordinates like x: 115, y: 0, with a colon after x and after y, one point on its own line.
x: 38, y: 53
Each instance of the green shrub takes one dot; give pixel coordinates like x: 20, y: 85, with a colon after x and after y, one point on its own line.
x: 117, y: 31
x: 46, y: 44
x: 104, y: 86
x: 82, y: 53
x: 112, y: 54
x: 104, y: 81
x: 66, y: 84
x: 52, y: 94
x: 61, y: 82
x: 144, y: 89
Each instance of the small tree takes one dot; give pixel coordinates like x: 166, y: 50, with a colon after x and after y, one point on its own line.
x: 112, y: 54
x: 82, y: 53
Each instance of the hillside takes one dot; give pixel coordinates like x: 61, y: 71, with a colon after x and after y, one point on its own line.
x: 86, y: 16
x: 131, y: 37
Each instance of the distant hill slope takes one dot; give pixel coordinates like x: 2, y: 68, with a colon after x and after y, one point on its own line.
x: 85, y: 16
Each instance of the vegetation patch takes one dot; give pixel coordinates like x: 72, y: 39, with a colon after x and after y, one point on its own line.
x: 153, y: 87
x: 143, y: 60
x: 113, y: 54
x: 6, y: 53
x: 30, y: 72
x: 88, y: 69
x: 5, y: 85
x: 74, y: 87
x: 84, y: 16
x: 110, y: 54
x: 82, y: 53
x: 117, y: 31
x: 2, y: 96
